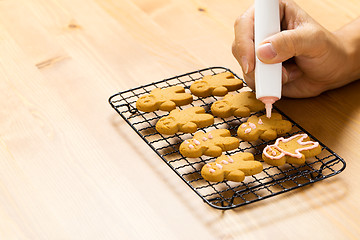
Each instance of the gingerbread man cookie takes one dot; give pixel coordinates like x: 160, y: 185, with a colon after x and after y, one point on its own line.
x: 233, y: 168
x: 240, y: 105
x: 164, y: 99
x: 217, y: 85
x: 210, y: 144
x: 263, y: 127
x: 291, y: 150
x: 187, y: 120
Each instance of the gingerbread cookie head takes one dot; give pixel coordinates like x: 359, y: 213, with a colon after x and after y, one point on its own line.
x: 233, y: 168
x: 264, y: 128
x: 239, y: 105
x: 187, y: 120
x: 293, y: 150
x: 147, y: 103
x: 164, y: 99
x: 216, y: 85
x: 211, y: 144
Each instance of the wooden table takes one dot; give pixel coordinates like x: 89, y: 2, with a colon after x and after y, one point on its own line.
x: 71, y: 168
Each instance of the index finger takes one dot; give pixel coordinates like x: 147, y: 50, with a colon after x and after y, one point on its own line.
x: 243, y: 46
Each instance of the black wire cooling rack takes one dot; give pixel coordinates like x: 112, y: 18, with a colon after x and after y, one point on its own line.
x: 271, y: 181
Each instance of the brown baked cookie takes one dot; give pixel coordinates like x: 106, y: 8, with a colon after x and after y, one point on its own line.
x: 211, y: 144
x: 239, y: 105
x: 216, y: 85
x: 293, y: 150
x: 187, y: 120
x: 233, y: 168
x: 263, y: 128
x: 165, y: 99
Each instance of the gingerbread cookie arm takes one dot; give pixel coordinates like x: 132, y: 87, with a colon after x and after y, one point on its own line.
x: 268, y: 134
x: 189, y: 127
x: 180, y: 97
x: 167, y: 106
x: 242, y: 112
x: 201, y: 118
x: 220, y: 91
x: 213, y: 151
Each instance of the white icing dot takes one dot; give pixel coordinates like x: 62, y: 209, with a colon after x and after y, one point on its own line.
x: 224, y: 162
x: 260, y: 121
x: 211, y: 170
x: 231, y: 160
x: 196, y: 142
x: 208, y: 165
x: 252, y: 125
x: 243, y: 125
x: 210, y: 136
x: 248, y: 130
x: 186, y: 142
x: 191, y: 146
x: 204, y: 139
x: 219, y: 166
x: 273, y: 153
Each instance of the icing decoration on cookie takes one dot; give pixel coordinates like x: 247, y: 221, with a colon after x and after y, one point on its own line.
x: 292, y: 150
x: 224, y: 162
x: 248, y: 130
x: 303, y: 146
x: 252, y: 125
x: 219, y: 165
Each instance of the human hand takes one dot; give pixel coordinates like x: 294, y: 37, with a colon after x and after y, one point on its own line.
x: 314, y: 59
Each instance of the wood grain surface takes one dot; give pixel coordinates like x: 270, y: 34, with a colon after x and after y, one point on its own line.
x: 71, y: 168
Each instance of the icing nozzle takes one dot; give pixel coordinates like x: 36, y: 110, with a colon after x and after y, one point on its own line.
x: 268, y: 107
x: 268, y: 101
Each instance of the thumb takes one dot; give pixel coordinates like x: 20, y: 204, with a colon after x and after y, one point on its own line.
x: 289, y: 43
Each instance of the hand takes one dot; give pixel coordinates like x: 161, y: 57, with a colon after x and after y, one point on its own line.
x: 314, y: 59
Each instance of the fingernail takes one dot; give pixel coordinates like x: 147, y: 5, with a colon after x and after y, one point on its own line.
x: 266, y: 51
x: 245, y: 65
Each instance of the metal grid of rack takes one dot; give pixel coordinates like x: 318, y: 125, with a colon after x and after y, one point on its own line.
x: 271, y: 181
